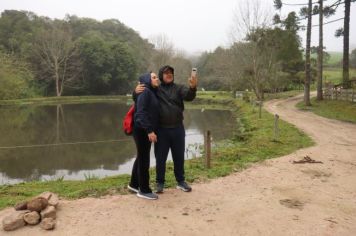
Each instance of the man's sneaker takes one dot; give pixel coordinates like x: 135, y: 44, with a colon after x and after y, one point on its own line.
x: 132, y: 189
x: 184, y: 186
x: 159, y: 188
x: 149, y: 196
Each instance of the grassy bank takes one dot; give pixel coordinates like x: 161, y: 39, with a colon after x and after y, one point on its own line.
x: 211, y: 97
x: 253, y: 141
x: 64, y: 100
x: 333, y: 109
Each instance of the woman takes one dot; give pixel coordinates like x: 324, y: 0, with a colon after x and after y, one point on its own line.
x: 146, y: 120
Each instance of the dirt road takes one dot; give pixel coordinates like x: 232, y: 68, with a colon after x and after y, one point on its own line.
x: 275, y: 197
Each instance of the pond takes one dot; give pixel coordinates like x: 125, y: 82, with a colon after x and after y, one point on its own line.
x: 79, y: 141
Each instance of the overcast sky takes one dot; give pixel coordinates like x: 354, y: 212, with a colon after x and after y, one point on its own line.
x: 192, y: 25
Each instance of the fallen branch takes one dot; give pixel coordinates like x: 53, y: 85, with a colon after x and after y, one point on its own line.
x: 306, y: 159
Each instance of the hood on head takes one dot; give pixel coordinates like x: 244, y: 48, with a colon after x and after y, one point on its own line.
x: 164, y: 69
x: 146, y: 79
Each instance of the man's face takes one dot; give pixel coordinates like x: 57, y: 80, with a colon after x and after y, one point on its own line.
x: 168, y: 76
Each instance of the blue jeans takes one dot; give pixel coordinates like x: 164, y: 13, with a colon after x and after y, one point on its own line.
x: 174, y: 139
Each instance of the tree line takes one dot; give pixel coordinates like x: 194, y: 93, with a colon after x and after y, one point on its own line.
x: 74, y: 56
x: 266, y: 54
x: 41, y: 56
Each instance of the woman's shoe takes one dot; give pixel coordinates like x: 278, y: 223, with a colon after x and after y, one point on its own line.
x: 159, y: 188
x: 184, y: 186
x: 149, y: 196
x: 132, y: 189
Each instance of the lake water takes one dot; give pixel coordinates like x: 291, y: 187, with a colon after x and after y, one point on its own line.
x: 75, y: 141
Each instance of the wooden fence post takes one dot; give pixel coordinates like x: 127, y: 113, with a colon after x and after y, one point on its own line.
x: 207, y: 144
x: 276, y: 127
x: 260, y: 109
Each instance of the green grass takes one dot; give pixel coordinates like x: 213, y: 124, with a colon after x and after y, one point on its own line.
x: 253, y: 141
x: 333, y: 109
x: 334, y: 75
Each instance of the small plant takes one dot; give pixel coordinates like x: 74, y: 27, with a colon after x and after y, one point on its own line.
x: 90, y: 177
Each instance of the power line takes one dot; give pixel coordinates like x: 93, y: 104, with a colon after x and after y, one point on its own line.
x: 329, y: 22
x: 92, y: 142
x: 332, y: 21
x: 298, y: 4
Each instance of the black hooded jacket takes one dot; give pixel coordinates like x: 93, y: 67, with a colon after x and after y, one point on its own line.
x: 147, y: 106
x: 171, y: 99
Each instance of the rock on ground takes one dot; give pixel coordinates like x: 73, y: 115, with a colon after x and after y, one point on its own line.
x: 49, y: 212
x: 48, y: 224
x: 14, y: 221
x: 37, y: 204
x: 32, y: 218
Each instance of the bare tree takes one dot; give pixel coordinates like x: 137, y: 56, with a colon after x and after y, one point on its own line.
x: 164, y: 51
x: 182, y: 66
x: 248, y: 16
x: 58, y: 57
x: 254, y: 61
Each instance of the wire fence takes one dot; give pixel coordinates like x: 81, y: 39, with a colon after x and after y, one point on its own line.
x: 214, y: 133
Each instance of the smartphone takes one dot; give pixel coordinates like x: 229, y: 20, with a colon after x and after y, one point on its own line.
x: 194, y: 72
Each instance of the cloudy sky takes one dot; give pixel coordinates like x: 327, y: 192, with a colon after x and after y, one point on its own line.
x: 192, y: 25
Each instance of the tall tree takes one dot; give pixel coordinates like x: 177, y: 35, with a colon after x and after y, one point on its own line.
x: 345, y: 64
x: 307, y: 57
x: 319, y: 95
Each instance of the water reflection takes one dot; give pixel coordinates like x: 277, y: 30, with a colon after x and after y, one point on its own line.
x: 23, y: 126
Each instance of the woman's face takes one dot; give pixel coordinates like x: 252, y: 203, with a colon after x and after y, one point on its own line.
x: 154, y: 80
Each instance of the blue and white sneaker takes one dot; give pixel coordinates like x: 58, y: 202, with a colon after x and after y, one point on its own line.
x: 184, y: 186
x: 132, y: 189
x: 149, y: 196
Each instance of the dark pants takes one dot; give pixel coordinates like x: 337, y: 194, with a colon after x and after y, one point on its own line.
x: 140, y: 176
x: 174, y: 139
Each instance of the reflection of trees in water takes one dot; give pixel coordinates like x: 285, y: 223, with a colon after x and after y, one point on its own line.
x: 25, y: 162
x: 50, y: 124
x: 75, y: 123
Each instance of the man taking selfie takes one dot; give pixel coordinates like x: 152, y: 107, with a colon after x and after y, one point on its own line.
x: 171, y: 132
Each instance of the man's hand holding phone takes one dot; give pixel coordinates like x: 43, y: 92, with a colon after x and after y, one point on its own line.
x: 193, y: 80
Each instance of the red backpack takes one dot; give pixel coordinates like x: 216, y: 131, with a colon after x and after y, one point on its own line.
x: 128, y: 123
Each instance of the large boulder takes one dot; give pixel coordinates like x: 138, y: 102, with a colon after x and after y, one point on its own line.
x: 37, y: 204
x: 49, y: 212
x: 48, y: 224
x: 14, y: 221
x: 32, y: 218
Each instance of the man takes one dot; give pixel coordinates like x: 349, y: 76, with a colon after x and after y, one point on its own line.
x: 171, y: 132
